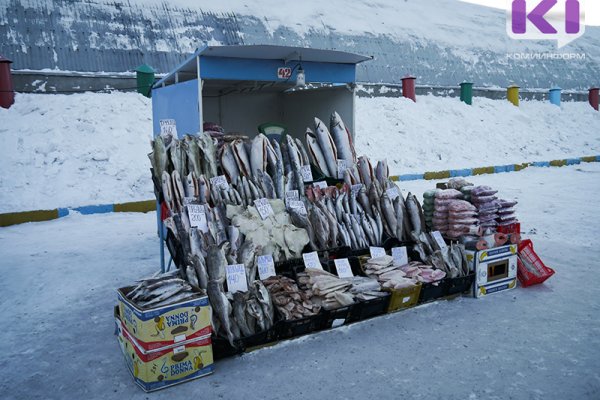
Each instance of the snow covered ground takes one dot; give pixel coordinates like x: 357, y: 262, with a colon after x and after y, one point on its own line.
x: 84, y: 149
x: 57, y: 293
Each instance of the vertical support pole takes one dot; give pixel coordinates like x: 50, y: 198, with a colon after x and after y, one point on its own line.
x: 161, y: 236
x: 200, y: 114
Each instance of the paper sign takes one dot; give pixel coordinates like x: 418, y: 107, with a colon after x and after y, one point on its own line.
x: 377, y: 252
x: 393, y: 192
x: 298, y: 206
x: 284, y: 72
x: 311, y: 261
x: 306, y: 173
x: 356, y: 189
x: 220, y: 182
x: 291, y: 195
x: 341, y: 167
x: 188, y: 200
x: 322, y: 184
x: 439, y: 239
x: 264, y: 208
x: 236, y: 278
x: 168, y: 127
x: 342, y: 266
x: 197, y: 215
x: 266, y: 266
x: 400, y: 255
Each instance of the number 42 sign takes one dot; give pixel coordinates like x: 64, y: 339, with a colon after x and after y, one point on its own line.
x: 284, y: 72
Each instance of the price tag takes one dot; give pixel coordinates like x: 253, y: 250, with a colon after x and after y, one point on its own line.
x: 377, y: 252
x: 220, y: 182
x: 197, y: 215
x: 342, y: 266
x: 400, y: 255
x: 439, y: 239
x: 291, y: 195
x: 341, y: 167
x: 356, y: 188
x: 236, y: 278
x: 311, y: 261
x: 188, y: 200
x: 322, y: 184
x: 284, y: 72
x: 306, y: 173
x: 264, y: 208
x: 393, y: 192
x: 298, y: 206
x: 266, y: 266
x: 168, y: 127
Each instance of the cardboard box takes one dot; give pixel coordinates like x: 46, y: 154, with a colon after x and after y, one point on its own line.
x: 404, y: 298
x: 158, y: 369
x: 157, y: 328
x: 495, y: 269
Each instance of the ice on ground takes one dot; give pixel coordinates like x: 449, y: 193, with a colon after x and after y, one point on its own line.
x: 543, y: 342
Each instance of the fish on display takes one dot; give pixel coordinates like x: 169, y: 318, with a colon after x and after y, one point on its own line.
x: 327, y: 146
x: 342, y: 139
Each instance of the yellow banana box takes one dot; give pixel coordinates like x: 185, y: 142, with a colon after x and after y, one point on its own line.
x: 495, y: 269
x: 158, y: 369
x: 161, y: 327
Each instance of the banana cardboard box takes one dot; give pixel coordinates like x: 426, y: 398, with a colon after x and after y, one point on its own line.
x: 161, y: 327
x: 495, y: 269
x: 158, y: 369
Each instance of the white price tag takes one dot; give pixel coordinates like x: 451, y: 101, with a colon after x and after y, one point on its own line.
x: 306, y: 173
x: 356, y: 188
x: 188, y: 200
x: 400, y: 255
x: 298, y: 206
x: 168, y: 127
x: 321, y: 185
x: 236, y: 278
x: 439, y: 239
x: 197, y: 216
x: 264, y: 207
x: 220, y: 182
x: 266, y: 266
x: 341, y: 167
x: 311, y: 261
x: 342, y: 266
x: 393, y: 192
x: 377, y: 252
x: 291, y: 195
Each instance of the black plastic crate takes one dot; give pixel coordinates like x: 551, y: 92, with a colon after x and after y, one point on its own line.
x: 366, y: 309
x: 223, y: 349
x: 433, y: 290
x: 341, y: 313
x: 287, y: 268
x: 298, y: 327
x: 460, y: 284
x: 259, y: 339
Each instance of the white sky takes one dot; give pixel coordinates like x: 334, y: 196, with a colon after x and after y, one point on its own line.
x: 592, y: 8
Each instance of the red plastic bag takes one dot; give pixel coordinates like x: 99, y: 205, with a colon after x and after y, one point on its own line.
x: 531, y: 270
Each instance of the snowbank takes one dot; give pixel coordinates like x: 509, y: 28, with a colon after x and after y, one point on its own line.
x: 440, y: 133
x: 68, y: 150
x: 83, y: 149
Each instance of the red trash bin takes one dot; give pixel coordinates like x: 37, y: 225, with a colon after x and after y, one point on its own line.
x: 408, y: 87
x: 593, y: 97
x: 7, y: 94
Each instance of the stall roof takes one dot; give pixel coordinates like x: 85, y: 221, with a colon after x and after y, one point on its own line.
x: 265, y: 52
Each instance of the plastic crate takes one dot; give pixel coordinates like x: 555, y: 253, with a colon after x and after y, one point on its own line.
x: 509, y: 229
x: 331, y: 316
x: 259, y: 339
x: 403, y: 298
x: 223, y: 349
x: 527, y: 278
x: 431, y: 291
x: 298, y: 327
x: 366, y: 309
x: 459, y: 285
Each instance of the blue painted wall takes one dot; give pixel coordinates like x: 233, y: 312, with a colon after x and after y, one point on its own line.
x: 178, y: 102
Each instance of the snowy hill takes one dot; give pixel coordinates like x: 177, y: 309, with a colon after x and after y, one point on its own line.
x: 82, y: 149
x: 442, y: 42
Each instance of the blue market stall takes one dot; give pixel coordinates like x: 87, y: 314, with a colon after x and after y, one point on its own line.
x: 243, y: 87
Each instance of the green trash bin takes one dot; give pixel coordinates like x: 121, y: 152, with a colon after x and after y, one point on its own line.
x: 272, y: 130
x: 466, y: 92
x: 144, y: 75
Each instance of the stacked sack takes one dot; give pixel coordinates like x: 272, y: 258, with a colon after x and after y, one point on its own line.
x: 440, y: 213
x: 506, y: 212
x: 462, y: 219
x: 428, y: 207
x: 466, y: 191
x: 483, y: 197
